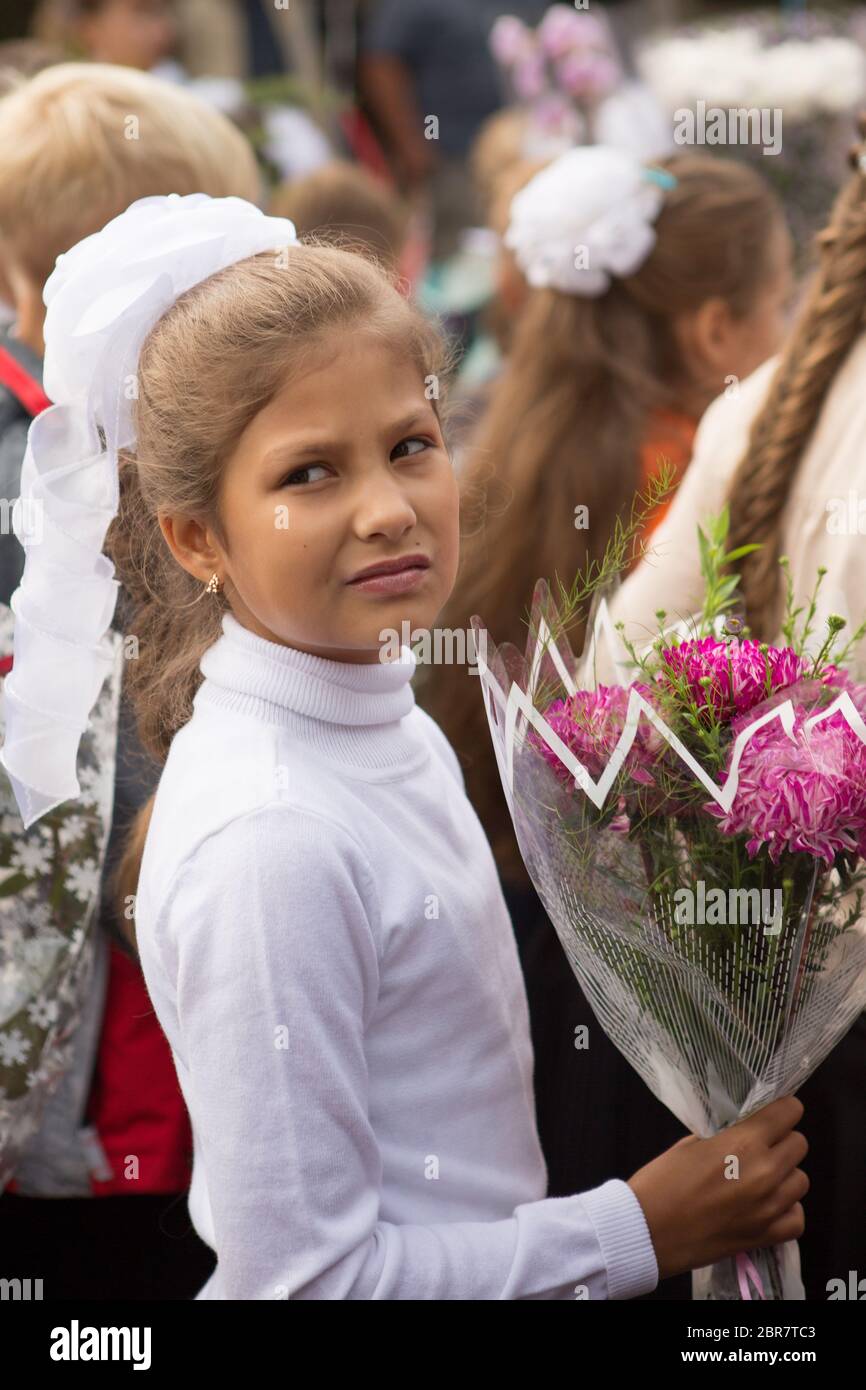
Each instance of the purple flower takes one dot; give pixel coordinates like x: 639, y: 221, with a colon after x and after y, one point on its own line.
x: 805, y: 794
x: 563, y: 29
x: 590, y: 76
x: 736, y: 670
x: 528, y: 76
x: 590, y: 724
x: 510, y: 39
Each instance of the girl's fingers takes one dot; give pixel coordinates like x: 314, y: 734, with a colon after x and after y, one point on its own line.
x: 789, y: 1226
x: 790, y: 1192
x: 776, y: 1120
x: 789, y: 1152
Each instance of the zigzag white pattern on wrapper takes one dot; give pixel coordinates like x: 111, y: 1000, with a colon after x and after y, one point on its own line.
x: 519, y: 700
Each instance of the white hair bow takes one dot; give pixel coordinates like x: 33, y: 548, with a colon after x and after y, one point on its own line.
x: 585, y: 218
x: 103, y: 298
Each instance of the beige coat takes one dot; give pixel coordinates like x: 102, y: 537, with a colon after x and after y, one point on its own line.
x: 820, y: 523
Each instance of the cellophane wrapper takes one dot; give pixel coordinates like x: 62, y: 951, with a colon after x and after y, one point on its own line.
x: 718, y: 1020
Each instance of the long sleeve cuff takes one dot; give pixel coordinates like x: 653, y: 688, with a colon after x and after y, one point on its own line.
x: 624, y: 1237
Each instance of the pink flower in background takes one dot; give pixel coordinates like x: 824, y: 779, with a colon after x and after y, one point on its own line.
x: 563, y: 29
x: 529, y: 77
x: 553, y: 113
x: 590, y: 724
x: 510, y: 39
x: 560, y: 30
x: 587, y: 75
x: 803, y: 794
x: 737, y: 672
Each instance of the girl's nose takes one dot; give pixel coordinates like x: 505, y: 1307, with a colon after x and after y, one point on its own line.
x: 383, y: 509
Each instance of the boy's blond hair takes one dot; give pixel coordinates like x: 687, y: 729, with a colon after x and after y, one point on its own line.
x: 79, y: 142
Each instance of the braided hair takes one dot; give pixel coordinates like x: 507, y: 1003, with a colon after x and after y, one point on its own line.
x: 831, y: 320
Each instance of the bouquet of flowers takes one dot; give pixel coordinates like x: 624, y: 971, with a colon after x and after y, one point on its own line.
x: 696, y: 831
x: 568, y: 77
x: 49, y: 896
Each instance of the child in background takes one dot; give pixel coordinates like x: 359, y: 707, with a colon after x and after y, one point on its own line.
x: 786, y: 454
x: 609, y: 371
x: 127, y: 33
x: 359, y: 1075
x: 343, y: 202
x: 67, y: 166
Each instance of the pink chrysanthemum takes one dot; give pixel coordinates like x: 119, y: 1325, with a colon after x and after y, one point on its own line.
x: 737, y: 671
x: 804, y: 794
x: 590, y: 724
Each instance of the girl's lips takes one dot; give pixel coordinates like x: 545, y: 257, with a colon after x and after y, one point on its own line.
x: 400, y: 583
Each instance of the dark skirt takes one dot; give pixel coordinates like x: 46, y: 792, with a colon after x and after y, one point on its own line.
x: 598, y: 1120
x: 140, y: 1247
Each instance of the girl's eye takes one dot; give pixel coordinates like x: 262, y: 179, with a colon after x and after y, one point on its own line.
x: 398, y: 452
x: 302, y: 475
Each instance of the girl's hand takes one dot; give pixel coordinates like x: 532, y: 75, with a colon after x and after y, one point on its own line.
x: 698, y: 1212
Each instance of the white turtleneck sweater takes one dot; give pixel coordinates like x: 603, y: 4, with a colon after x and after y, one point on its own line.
x: 327, y: 949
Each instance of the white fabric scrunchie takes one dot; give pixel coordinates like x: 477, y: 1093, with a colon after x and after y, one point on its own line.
x: 103, y: 298
x: 585, y: 218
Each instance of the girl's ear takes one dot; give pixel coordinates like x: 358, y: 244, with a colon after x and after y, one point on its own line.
x: 191, y: 545
x: 704, y: 338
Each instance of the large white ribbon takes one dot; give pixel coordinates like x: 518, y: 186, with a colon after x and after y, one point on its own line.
x: 103, y: 298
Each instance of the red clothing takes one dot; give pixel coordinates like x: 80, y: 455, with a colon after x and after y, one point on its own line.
x: 135, y: 1103
x: 669, y: 436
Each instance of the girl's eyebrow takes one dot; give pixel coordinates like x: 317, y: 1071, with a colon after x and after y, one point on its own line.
x: 304, y: 448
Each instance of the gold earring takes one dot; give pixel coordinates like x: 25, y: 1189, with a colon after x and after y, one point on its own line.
x: 213, y: 585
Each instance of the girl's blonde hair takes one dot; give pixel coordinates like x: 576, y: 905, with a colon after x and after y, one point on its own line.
x: 215, y: 359
x: 79, y: 142
x: 832, y: 318
x: 565, y: 428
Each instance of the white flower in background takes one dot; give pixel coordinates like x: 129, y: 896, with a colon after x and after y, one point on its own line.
x: 40, y: 917
x: 82, y: 880
x: 89, y: 779
x: 72, y: 829
x: 38, y: 1076
x: 42, y: 1011
x: 293, y: 142
x: 14, y: 1048
x: 31, y: 857
x: 632, y: 119
x: 76, y: 939
x: 736, y: 67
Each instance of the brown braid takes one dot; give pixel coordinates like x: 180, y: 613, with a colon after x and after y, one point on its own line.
x: 831, y: 320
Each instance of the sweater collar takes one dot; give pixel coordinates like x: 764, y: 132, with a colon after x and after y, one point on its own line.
x: 361, y: 719
x: 336, y: 692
